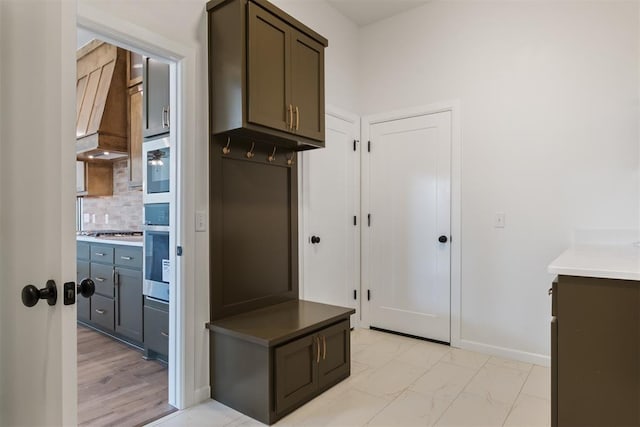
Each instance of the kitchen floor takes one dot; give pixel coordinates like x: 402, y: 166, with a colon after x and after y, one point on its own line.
x: 398, y: 381
x: 116, y: 386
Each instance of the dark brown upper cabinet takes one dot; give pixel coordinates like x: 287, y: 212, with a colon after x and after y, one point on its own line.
x: 266, y: 74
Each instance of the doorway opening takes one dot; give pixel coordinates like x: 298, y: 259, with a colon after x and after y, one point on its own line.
x: 127, y: 214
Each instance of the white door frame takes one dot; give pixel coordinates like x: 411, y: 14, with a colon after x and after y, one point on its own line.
x: 456, y: 176
x: 182, y: 379
x: 354, y: 120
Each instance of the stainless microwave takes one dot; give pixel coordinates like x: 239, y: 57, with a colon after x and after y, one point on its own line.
x: 156, y: 171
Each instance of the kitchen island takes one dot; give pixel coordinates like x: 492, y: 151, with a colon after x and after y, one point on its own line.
x: 595, y: 336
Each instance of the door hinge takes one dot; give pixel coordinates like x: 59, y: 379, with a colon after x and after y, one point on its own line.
x: 355, y: 142
x: 355, y: 220
x: 179, y: 251
x: 368, y: 146
x: 355, y: 294
x: 368, y: 294
x: 368, y: 220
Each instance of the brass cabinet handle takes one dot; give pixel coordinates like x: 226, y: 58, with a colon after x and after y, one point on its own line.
x: 100, y: 279
x: 126, y: 258
x: 290, y: 110
x: 324, y: 347
x: 318, y: 355
x: 164, y: 334
x: 297, y: 118
x: 99, y: 311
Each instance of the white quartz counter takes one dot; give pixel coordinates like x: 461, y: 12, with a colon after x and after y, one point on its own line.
x: 620, y: 261
x: 124, y: 241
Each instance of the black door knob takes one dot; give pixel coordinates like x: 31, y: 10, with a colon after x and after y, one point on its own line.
x: 442, y: 239
x: 86, y: 288
x: 315, y: 239
x: 31, y: 295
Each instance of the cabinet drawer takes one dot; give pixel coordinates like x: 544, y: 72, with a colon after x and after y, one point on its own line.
x: 102, y: 311
x: 83, y: 250
x: 102, y: 253
x: 156, y: 330
x: 102, y: 276
x: 128, y: 256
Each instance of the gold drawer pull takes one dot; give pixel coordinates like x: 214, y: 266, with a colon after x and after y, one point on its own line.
x: 297, y: 118
x: 164, y: 334
x: 126, y: 258
x: 324, y: 347
x: 99, y: 311
x: 100, y: 279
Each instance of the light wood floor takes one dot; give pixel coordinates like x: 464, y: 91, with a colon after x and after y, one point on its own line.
x: 116, y: 386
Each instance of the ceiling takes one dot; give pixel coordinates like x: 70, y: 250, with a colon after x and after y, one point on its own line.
x: 365, y: 12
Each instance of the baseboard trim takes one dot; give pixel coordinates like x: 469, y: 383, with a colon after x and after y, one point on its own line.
x: 202, y: 394
x: 509, y: 353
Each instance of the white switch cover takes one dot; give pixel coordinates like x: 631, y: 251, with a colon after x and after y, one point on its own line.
x: 498, y: 221
x: 106, y: 218
x: 201, y: 221
x: 86, y: 218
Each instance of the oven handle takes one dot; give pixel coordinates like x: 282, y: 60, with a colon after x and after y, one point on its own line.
x: 156, y: 228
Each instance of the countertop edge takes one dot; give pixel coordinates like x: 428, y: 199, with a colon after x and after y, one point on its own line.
x: 89, y: 239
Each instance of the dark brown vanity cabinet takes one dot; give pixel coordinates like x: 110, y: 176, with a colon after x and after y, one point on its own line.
x: 266, y: 74
x: 268, y: 362
x: 595, y: 352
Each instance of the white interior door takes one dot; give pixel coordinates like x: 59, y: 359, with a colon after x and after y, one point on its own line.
x: 37, y: 215
x: 408, y: 187
x: 330, y: 197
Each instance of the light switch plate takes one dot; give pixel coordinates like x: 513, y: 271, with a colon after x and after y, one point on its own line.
x: 498, y: 221
x: 201, y: 221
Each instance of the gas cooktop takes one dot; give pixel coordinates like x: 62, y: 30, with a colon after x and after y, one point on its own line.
x: 110, y: 233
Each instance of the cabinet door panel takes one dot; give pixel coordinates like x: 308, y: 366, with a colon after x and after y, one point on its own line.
x: 135, y: 136
x: 84, y: 304
x: 156, y: 97
x: 307, y: 85
x: 129, y: 303
x: 335, y: 363
x: 296, y: 372
x: 268, y: 69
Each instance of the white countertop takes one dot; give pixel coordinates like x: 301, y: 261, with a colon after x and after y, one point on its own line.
x: 124, y: 241
x: 621, y: 261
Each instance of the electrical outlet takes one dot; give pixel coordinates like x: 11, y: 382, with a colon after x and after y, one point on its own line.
x: 201, y: 221
x: 498, y: 221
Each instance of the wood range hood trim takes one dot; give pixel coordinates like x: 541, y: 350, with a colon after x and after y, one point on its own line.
x: 101, y: 104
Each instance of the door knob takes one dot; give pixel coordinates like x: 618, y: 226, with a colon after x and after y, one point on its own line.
x: 442, y: 239
x: 86, y: 288
x: 31, y: 295
x: 315, y: 239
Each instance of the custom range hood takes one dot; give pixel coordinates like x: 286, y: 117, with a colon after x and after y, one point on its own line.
x: 101, y: 103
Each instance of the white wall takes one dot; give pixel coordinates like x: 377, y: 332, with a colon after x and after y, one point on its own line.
x: 549, y: 101
x: 185, y: 22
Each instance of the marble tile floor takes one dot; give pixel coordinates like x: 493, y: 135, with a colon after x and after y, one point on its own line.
x: 398, y: 381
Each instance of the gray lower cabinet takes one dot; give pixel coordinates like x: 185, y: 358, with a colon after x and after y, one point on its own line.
x: 116, y: 306
x: 156, y: 329
x: 268, y: 362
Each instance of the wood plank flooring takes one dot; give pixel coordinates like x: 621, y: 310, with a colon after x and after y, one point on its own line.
x: 116, y: 386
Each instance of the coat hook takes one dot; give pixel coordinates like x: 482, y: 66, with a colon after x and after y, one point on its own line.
x: 272, y: 157
x: 227, y: 150
x: 290, y: 160
x: 250, y: 152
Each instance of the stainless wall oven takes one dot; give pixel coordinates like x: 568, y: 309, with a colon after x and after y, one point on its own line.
x: 157, y: 266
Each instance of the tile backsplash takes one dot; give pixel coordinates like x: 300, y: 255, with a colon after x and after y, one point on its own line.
x: 122, y: 211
